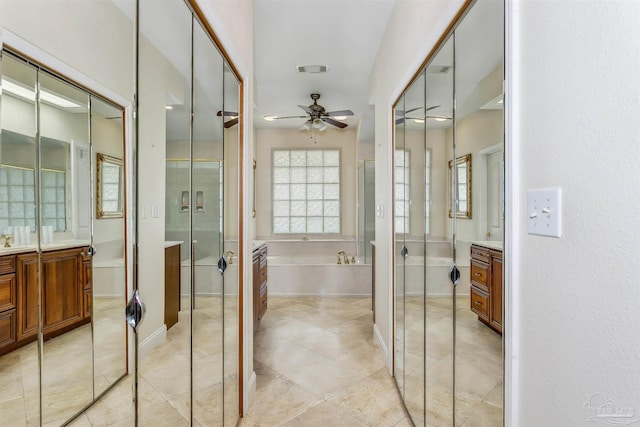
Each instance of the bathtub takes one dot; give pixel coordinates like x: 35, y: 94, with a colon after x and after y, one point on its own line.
x: 317, y: 275
x: 437, y: 283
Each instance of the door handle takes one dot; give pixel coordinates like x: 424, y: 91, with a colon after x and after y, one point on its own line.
x: 404, y: 252
x: 135, y: 311
x: 454, y: 275
x: 222, y: 264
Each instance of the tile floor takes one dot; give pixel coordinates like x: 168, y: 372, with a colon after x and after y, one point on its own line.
x: 317, y: 364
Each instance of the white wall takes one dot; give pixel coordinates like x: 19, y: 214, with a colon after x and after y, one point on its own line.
x: 576, y: 103
x: 413, y: 29
x: 268, y: 139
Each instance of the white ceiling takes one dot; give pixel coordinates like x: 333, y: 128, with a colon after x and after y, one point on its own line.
x: 342, y: 34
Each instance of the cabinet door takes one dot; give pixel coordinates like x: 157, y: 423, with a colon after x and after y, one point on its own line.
x: 62, y: 289
x: 27, y: 277
x: 256, y: 291
x: 496, y: 292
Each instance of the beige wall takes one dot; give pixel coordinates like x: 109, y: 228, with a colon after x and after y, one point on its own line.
x: 269, y: 139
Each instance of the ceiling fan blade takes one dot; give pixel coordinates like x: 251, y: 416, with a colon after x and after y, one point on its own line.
x: 306, y: 109
x: 231, y: 123
x: 412, y: 109
x: 226, y: 113
x: 289, y: 117
x: 334, y: 122
x: 432, y: 107
x: 338, y: 113
x: 399, y: 121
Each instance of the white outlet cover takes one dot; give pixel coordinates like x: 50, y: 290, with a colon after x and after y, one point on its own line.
x: 544, y: 212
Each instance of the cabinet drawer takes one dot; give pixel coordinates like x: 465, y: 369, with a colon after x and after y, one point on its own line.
x: 8, y: 264
x: 7, y: 292
x: 480, y: 303
x: 8, y: 328
x: 479, y: 253
x: 479, y: 272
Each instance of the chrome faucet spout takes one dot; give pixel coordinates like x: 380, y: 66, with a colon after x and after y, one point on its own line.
x: 229, y: 255
x: 344, y: 256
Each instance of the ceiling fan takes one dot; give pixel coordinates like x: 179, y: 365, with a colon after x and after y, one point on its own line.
x: 317, y: 116
x: 233, y: 115
x: 402, y: 116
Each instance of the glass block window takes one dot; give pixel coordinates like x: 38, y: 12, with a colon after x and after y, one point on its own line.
x: 306, y: 191
x: 53, y: 199
x: 17, y: 198
x: 402, y: 202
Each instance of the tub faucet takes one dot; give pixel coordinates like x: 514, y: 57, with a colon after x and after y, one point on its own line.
x: 344, y: 256
x: 229, y: 255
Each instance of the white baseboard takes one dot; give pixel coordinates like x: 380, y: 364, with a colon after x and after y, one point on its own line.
x: 328, y: 295
x: 383, y: 347
x: 251, y: 392
x: 152, y: 341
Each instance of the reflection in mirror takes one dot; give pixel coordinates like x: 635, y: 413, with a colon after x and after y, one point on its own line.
x: 165, y: 54
x: 461, y: 187
x: 401, y: 224
x: 207, y: 229
x: 67, y: 362
x: 366, y: 210
x: 109, y: 187
x: 19, y: 369
x: 438, y: 246
x: 231, y: 191
x: 109, y: 284
x: 479, y: 131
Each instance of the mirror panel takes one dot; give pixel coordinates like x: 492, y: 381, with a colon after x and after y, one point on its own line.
x: 164, y: 120
x: 438, y: 247
x: 400, y: 225
x: 19, y: 362
x: 479, y: 131
x: 109, y: 280
x: 231, y: 191
x: 65, y: 217
x: 462, y: 192
x: 206, y: 212
x: 109, y: 187
x: 412, y: 187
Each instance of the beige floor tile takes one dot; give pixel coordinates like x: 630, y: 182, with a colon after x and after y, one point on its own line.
x: 484, y: 415
x: 324, y: 414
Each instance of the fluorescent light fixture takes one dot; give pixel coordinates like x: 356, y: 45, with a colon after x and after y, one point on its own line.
x: 496, y: 103
x: 340, y: 117
x: 168, y: 107
x: 16, y: 89
x: 270, y: 118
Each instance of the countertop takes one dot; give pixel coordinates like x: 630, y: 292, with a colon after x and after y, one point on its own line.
x: 491, y: 244
x: 54, y: 246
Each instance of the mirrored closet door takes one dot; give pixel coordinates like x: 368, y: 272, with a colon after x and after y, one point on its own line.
x: 64, y: 337
x: 457, y: 220
x: 189, y: 88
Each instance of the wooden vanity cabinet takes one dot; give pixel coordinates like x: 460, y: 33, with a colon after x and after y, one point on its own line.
x: 486, y: 285
x: 66, y: 294
x: 259, y: 285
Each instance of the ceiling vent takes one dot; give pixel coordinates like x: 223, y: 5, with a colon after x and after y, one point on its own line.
x: 312, y: 68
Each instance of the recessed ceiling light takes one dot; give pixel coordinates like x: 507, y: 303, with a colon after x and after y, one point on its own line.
x: 168, y: 107
x: 312, y: 68
x: 270, y: 118
x: 340, y: 117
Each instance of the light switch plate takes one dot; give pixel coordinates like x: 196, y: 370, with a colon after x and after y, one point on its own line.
x: 544, y: 212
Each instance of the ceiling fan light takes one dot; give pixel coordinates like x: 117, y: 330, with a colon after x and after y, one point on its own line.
x: 322, y: 126
x: 441, y: 119
x: 419, y: 120
x: 270, y: 118
x: 317, y: 123
x: 306, y: 125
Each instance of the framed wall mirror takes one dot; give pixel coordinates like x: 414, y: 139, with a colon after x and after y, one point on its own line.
x: 461, y: 183
x: 109, y: 187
